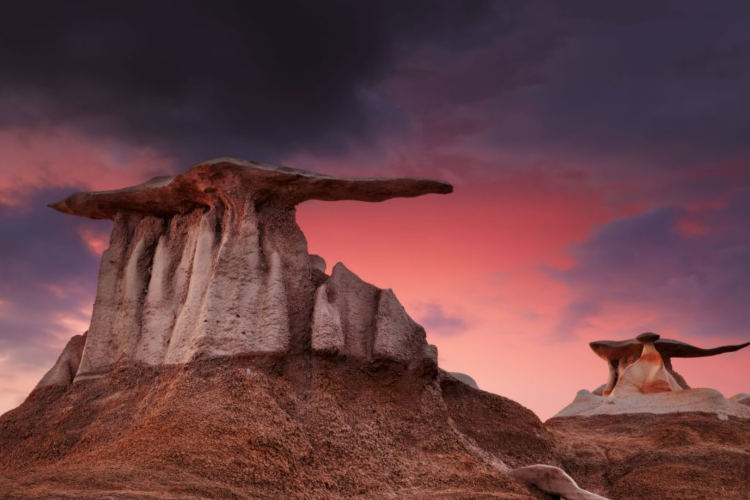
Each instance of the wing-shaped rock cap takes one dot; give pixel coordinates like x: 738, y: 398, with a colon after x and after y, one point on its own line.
x: 610, y: 350
x: 223, y: 180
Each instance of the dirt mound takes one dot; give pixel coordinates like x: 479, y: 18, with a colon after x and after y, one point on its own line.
x: 676, y: 456
x: 251, y: 429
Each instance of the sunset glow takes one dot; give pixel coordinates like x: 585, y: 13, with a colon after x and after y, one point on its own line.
x: 601, y: 175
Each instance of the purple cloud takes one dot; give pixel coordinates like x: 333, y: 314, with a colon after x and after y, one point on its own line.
x: 697, y: 282
x: 435, y: 320
x: 47, y: 279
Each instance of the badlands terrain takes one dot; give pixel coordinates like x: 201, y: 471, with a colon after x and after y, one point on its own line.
x: 223, y: 361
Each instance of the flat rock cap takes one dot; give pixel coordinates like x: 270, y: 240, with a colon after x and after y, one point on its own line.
x: 230, y: 180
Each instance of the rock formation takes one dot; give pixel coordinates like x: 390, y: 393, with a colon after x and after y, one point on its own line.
x: 553, y: 480
x: 707, y: 401
x: 644, y: 365
x: 212, y: 263
x: 64, y: 370
x: 652, y: 437
x: 223, y: 362
x: 688, y: 454
x: 466, y: 379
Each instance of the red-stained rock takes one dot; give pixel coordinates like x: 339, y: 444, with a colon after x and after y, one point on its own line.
x: 655, y: 372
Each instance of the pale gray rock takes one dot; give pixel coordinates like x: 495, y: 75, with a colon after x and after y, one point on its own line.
x: 212, y: 263
x: 317, y: 262
x: 466, y: 379
x: 587, y: 404
x: 741, y: 398
x: 360, y: 321
x: 66, y: 366
x: 554, y: 481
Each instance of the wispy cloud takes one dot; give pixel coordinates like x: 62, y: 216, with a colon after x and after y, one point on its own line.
x: 436, y: 321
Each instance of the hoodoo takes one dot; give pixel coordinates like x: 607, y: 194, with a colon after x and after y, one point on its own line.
x: 642, y: 380
x: 644, y: 365
x: 222, y: 361
x: 211, y: 263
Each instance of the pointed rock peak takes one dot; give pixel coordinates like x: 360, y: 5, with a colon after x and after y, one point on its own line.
x: 229, y: 180
x: 64, y: 370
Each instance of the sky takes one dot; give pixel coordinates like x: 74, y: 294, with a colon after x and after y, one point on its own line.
x: 600, y: 154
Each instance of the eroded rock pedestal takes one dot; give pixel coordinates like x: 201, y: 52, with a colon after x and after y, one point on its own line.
x: 644, y: 365
x: 212, y: 263
x: 223, y: 362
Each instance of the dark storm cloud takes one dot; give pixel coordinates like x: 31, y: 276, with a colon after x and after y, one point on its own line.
x: 199, y: 79
x: 671, y: 91
x: 615, y: 87
x: 660, y: 82
x: 696, y: 281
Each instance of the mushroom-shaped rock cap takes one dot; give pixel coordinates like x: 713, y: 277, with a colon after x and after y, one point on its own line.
x: 611, y: 350
x: 227, y: 179
x: 648, y: 338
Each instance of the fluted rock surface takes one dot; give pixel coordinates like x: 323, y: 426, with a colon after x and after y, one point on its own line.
x: 211, y: 263
x: 223, y: 362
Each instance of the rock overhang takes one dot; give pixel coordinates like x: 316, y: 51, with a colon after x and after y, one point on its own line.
x: 223, y: 180
x: 211, y: 263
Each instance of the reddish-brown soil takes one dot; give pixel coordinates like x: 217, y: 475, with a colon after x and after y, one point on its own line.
x: 678, y: 456
x: 230, y: 429
x: 319, y: 428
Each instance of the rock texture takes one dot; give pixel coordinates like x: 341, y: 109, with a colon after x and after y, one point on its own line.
x: 651, y: 359
x: 248, y: 429
x: 212, y: 263
x: 688, y: 400
x: 652, y: 438
x: 553, y: 480
x: 647, y: 375
x: 466, y: 379
x: 65, y: 368
x: 223, y: 362
x: 647, y: 456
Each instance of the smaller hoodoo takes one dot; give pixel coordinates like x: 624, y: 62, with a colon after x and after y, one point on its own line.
x: 644, y: 365
x: 642, y: 380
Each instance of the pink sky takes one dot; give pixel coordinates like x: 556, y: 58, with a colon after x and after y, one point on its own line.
x: 599, y: 154
x: 480, y: 267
